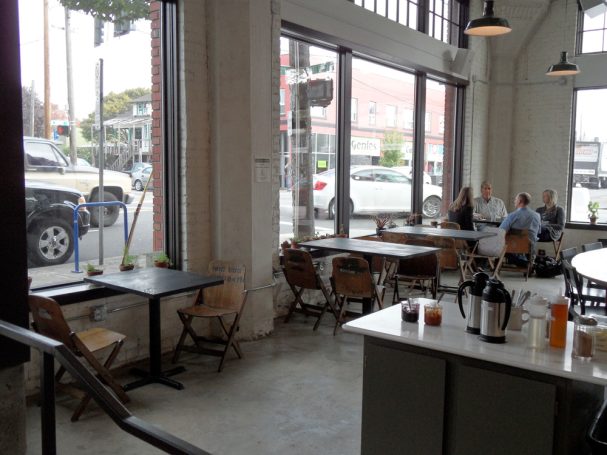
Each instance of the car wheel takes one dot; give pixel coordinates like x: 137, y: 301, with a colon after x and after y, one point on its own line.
x: 110, y: 214
x: 431, y: 207
x: 50, y: 241
x: 138, y: 185
x: 331, y: 209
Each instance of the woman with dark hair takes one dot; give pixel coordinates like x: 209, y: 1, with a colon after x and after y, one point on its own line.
x: 461, y: 210
x: 553, y: 217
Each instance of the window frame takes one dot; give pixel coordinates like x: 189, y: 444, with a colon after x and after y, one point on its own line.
x: 344, y: 119
x: 72, y: 292
x: 579, y: 34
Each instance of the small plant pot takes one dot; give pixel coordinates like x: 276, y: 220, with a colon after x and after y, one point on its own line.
x: 378, y: 231
x: 294, y: 245
x: 593, y: 219
x: 94, y: 272
x: 126, y: 267
x: 161, y: 265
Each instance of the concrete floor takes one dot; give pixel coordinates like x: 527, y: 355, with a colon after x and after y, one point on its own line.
x: 295, y: 392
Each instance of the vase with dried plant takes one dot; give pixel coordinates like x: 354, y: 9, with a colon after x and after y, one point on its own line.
x: 382, y: 221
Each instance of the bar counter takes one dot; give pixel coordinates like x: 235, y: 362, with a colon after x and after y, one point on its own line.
x: 442, y: 390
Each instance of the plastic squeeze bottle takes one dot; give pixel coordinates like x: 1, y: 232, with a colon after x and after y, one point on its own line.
x: 559, y: 309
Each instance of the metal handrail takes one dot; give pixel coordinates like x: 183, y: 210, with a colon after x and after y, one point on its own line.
x: 51, y: 350
x: 76, y: 229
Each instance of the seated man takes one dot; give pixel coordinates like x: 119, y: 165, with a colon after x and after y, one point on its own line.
x: 523, y: 218
x: 487, y: 207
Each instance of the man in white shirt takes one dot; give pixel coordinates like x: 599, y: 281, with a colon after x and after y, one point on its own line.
x: 487, y: 207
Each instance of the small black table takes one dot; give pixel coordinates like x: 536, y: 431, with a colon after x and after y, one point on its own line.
x: 154, y: 283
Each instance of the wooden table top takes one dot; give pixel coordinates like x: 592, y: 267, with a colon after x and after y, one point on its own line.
x: 368, y: 247
x: 438, y: 232
x: 591, y: 265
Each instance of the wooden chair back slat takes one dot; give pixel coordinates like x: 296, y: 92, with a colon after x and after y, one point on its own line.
x: 449, y: 225
x: 426, y: 265
x: 49, y: 320
x: 352, y: 278
x: 394, y: 237
x: 447, y: 256
x: 230, y: 295
x: 299, y: 269
x: 517, y: 242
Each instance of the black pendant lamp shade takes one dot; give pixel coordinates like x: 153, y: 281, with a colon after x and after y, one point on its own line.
x: 563, y: 68
x: 488, y: 25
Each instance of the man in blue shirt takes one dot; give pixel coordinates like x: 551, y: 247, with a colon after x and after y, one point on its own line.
x: 523, y: 218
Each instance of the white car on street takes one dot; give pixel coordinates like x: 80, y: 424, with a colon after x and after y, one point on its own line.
x: 374, y: 189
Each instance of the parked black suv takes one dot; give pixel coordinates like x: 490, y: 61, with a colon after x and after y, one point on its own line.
x: 50, y: 218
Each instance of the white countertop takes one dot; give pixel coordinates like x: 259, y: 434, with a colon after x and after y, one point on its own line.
x: 451, y: 337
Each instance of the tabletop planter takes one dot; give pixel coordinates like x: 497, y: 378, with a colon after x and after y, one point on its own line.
x: 162, y: 261
x: 92, y: 270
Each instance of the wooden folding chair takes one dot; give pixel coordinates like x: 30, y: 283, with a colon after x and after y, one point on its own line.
x: 417, y: 271
x: 517, y: 242
x: 578, y: 293
x: 450, y: 225
x: 49, y: 321
x: 352, y: 280
x: 301, y: 274
x: 489, y: 249
x: 381, y: 267
x: 222, y: 303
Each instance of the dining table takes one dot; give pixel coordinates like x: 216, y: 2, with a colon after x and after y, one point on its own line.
x: 456, y: 234
x: 591, y: 265
x: 154, y: 283
x: 368, y: 249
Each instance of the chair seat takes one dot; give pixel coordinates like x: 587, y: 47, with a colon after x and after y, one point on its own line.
x: 204, y: 311
x: 99, y: 338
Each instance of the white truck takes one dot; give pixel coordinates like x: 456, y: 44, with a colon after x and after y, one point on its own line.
x: 590, y: 165
x: 44, y: 162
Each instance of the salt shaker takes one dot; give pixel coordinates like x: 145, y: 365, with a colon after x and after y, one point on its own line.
x: 583, y: 337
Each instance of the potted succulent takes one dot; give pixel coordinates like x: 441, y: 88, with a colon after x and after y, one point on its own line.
x: 286, y: 244
x: 128, y: 261
x: 295, y: 242
x: 593, y: 208
x: 162, y: 260
x: 382, y: 221
x: 92, y: 270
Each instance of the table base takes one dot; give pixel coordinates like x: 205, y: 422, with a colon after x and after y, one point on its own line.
x: 150, y: 378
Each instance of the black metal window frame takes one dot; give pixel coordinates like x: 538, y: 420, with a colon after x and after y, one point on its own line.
x: 579, y: 35
x: 344, y: 121
x: 452, y: 20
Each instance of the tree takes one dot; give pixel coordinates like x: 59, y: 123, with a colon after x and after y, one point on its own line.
x: 113, y: 104
x: 27, y: 102
x: 114, y: 11
x: 391, y: 148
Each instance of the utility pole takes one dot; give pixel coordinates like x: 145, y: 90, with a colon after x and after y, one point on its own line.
x: 47, y: 77
x: 70, y: 87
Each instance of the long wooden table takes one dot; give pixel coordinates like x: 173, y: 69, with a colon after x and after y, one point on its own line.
x: 369, y: 249
x: 591, y: 265
x: 456, y: 234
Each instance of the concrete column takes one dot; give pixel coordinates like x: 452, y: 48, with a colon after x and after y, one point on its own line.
x: 240, y: 67
x: 12, y: 410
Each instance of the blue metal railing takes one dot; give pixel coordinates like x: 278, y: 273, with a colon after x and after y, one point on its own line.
x: 76, y: 230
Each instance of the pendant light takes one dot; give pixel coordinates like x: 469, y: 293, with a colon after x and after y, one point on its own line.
x: 564, y: 67
x: 488, y: 25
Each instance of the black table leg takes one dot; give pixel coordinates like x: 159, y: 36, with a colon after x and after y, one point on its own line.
x: 155, y: 375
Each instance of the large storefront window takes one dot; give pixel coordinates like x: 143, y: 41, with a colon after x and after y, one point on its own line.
x: 380, y: 150
x: 61, y: 54
x: 589, y: 170
x: 308, y: 78
x: 592, y: 30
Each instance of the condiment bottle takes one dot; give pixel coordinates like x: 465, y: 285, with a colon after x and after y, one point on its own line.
x: 583, y: 337
x: 559, y: 311
x: 536, y: 328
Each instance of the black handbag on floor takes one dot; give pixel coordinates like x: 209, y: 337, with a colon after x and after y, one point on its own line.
x: 546, y: 267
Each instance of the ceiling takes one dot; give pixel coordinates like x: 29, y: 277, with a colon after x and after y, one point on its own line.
x: 524, y: 16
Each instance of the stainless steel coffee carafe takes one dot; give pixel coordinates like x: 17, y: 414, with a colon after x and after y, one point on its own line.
x: 475, y: 296
x: 495, y: 312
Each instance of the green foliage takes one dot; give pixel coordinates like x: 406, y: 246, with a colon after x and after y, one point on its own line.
x: 113, y: 104
x: 111, y: 11
x: 92, y: 268
x: 391, y: 147
x: 593, y: 208
x: 162, y: 257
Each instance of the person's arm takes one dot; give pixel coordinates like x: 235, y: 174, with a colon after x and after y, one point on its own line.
x: 560, y: 218
x: 504, y: 212
x: 507, y: 223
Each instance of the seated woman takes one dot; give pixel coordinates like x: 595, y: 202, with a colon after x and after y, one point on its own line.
x: 553, y: 217
x: 461, y: 210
